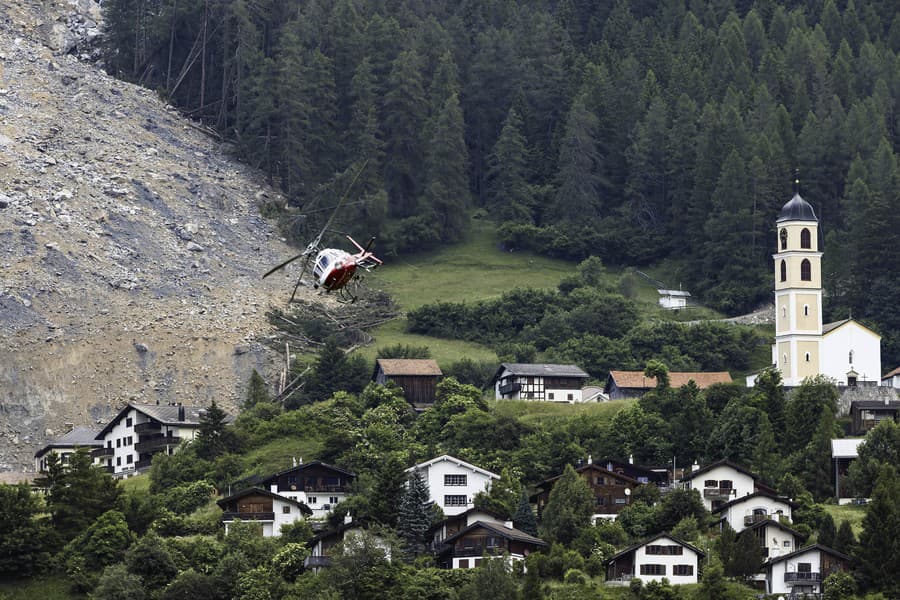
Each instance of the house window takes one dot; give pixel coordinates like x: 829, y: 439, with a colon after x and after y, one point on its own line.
x: 804, y: 567
x: 118, y: 442
x: 851, y: 357
x: 725, y: 484
x: 601, y: 501
x: 783, y: 271
x: 783, y: 236
x: 129, y: 459
x: 118, y: 461
x: 464, y: 563
x: 600, y: 480
x: 286, y: 509
x: 550, y: 396
x: 621, y: 500
x: 710, y: 483
x: 128, y: 422
x: 668, y: 550
x: 653, y: 569
x: 683, y: 570
x: 805, y: 270
x: 130, y: 441
x: 332, y: 499
x: 476, y: 563
x: 454, y: 479
x: 805, y: 241
x: 313, y: 499
x: 787, y: 543
x: 570, y: 397
x: 455, y: 500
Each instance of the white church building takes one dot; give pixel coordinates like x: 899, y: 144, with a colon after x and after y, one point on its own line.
x: 845, y: 351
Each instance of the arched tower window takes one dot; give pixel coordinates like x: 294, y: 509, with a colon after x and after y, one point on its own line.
x: 805, y: 241
x: 783, y: 236
x: 805, y: 270
x: 783, y: 270
x: 807, y: 357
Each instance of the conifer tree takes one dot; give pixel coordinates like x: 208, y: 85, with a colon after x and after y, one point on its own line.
x: 447, y: 186
x: 844, y: 539
x: 257, y: 391
x: 509, y: 194
x: 878, y: 559
x: 578, y: 183
x: 414, y: 516
x: 569, y: 507
x: 524, y: 519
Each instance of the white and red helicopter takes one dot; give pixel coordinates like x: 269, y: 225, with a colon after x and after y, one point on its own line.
x: 333, y: 268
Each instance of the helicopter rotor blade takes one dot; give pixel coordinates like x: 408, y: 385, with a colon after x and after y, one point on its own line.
x: 300, y: 279
x: 286, y: 263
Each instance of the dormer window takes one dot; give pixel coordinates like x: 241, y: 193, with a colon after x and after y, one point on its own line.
x: 805, y: 241
x: 783, y: 236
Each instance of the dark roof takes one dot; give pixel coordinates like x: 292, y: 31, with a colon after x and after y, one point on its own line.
x: 79, y: 436
x: 166, y: 414
x: 259, y: 491
x: 509, y: 533
x: 819, y: 547
x: 797, y: 209
x: 304, y: 466
x: 756, y: 494
x: 339, y: 530
x: 873, y: 404
x: 778, y: 524
x: 634, y: 547
x: 593, y: 467
x: 542, y: 370
x: 463, y: 516
x: 718, y: 463
x: 408, y: 366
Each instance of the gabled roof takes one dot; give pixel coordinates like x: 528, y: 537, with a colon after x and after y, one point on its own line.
x: 592, y: 467
x: 719, y: 463
x: 632, y: 548
x: 408, y: 366
x: 304, y: 466
x: 873, y: 404
x: 829, y: 327
x: 637, y: 379
x: 675, y: 293
x: 773, y: 523
x: 79, y: 436
x: 328, y: 533
x: 542, y: 370
x: 756, y: 494
x: 456, y: 461
x: 818, y: 547
x: 846, y: 447
x: 261, y: 492
x: 891, y: 373
x: 165, y: 414
x: 509, y: 533
x: 464, y: 516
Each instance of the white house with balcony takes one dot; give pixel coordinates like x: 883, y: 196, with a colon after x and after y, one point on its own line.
x: 719, y: 483
x: 662, y: 556
x: 453, y: 483
x: 540, y: 382
x: 318, y: 485
x: 774, y: 537
x: 139, y: 431
x: 66, y: 445
x: 270, y: 512
x: 753, y: 508
x: 803, y: 571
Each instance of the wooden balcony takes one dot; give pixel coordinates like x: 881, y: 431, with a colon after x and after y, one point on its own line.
x: 148, y: 427
x: 754, y: 519
x: 316, y: 562
x: 510, y: 388
x: 719, y: 493
x: 154, y: 444
x: 103, y: 452
x: 477, y: 551
x: 248, y: 516
x: 801, y: 577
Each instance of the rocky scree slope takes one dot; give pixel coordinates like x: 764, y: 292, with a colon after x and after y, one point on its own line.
x: 131, y: 247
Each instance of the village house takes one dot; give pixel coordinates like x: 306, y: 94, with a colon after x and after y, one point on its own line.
x: 453, y: 483
x: 349, y: 532
x: 803, y: 571
x: 721, y: 482
x: 843, y: 452
x: 756, y: 507
x: 662, y: 556
x: 269, y: 511
x: 673, y: 299
x: 66, y: 445
x: 139, y: 431
x: 452, y: 525
x: 774, y: 537
x: 417, y: 377
x: 541, y: 382
x: 658, y: 476
x: 891, y: 379
x: 465, y: 548
x: 318, y: 485
x: 612, y: 491
x: 621, y: 385
x: 866, y: 414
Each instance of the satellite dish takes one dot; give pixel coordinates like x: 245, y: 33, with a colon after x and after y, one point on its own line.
x: 627, y: 492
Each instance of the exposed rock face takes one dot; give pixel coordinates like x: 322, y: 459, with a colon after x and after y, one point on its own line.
x: 131, y: 248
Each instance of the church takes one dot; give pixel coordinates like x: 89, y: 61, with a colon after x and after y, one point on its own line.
x: 845, y: 350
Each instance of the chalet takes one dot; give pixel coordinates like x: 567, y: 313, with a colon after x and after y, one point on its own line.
x: 270, y: 511
x: 758, y: 506
x: 612, y: 491
x: 452, y: 525
x: 774, y: 537
x: 721, y: 482
x: 866, y: 414
x: 139, y: 431
x: 634, y: 384
x: 843, y: 453
x: 673, y: 299
x: 453, y: 483
x: 891, y: 379
x: 418, y: 377
x: 802, y: 572
x: 657, y: 476
x: 662, y: 556
x: 66, y: 445
x: 319, y: 486
x: 465, y: 549
x: 322, y: 544
x: 542, y: 382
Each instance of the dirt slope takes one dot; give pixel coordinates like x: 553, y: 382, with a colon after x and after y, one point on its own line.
x: 130, y: 244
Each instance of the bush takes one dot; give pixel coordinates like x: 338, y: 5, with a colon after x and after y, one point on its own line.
x: 185, y: 499
x: 575, y: 577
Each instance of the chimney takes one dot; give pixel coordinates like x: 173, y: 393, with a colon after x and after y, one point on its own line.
x: 348, y: 519
x: 71, y: 426
x: 299, y: 461
x: 293, y: 461
x: 631, y: 459
x: 590, y: 459
x: 508, y: 524
x: 180, y: 412
x: 695, y: 467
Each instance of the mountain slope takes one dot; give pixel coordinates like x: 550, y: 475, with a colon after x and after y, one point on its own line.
x: 131, y: 247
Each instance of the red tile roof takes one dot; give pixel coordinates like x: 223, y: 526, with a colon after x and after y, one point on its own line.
x: 637, y: 379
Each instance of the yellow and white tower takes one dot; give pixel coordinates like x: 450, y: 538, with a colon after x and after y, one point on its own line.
x: 797, y: 351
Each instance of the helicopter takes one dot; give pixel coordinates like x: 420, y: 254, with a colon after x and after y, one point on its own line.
x: 333, y: 268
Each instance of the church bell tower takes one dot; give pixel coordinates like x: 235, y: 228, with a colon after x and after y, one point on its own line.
x: 798, y: 292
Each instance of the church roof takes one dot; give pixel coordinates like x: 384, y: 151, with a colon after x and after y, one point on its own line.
x: 829, y: 327
x: 797, y: 209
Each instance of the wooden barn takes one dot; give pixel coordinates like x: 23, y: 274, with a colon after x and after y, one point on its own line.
x: 417, y: 376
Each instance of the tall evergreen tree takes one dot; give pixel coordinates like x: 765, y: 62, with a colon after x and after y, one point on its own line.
x: 524, y: 519
x: 414, y: 516
x: 578, y: 183
x: 447, y: 187
x: 569, y: 507
x: 878, y: 558
x: 510, y: 196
